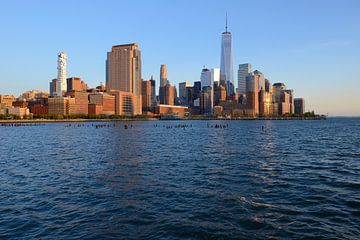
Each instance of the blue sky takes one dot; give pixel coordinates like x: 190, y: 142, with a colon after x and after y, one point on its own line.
x: 311, y: 45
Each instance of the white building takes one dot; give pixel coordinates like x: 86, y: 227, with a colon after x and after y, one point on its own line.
x: 243, y: 72
x: 61, y: 86
x: 215, y: 75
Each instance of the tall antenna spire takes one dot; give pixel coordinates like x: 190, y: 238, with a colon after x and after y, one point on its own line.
x: 226, y: 23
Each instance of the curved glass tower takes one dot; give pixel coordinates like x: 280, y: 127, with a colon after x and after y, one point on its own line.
x: 226, y: 62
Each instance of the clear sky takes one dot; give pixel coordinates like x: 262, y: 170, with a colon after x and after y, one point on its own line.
x: 313, y: 46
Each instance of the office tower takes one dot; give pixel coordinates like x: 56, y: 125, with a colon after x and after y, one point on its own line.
x: 261, y: 79
x: 265, y: 103
x: 169, y: 94
x: 252, y: 98
x: 267, y: 85
x: 197, y: 90
x: 226, y: 62
x: 243, y: 72
x: 146, y: 96
x: 163, y: 82
x: 205, y: 78
x: 124, y: 73
x: 206, y: 101
x: 299, y: 105
x: 207, y: 91
x: 215, y: 75
x: 183, y: 91
x: 53, y: 87
x: 219, y: 94
x: 75, y: 84
x: 60, y: 105
x: 163, y: 75
x: 153, y: 92
x: 284, y: 104
x: 61, y: 74
x: 291, y: 99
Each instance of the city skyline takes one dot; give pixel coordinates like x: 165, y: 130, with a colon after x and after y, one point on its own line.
x: 323, y: 81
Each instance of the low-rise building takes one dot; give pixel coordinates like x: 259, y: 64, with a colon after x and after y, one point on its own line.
x: 106, y: 101
x: 163, y: 109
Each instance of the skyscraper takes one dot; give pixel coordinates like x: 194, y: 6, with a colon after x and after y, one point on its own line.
x: 243, y: 72
x: 124, y: 69
x: 183, y: 91
x: 61, y: 74
x: 123, y: 73
x: 163, y: 75
x: 226, y: 62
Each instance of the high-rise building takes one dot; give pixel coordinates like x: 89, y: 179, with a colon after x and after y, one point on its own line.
x: 252, y: 98
x: 243, y: 72
x: 265, y: 103
x: 207, y: 91
x: 153, y: 92
x: 146, y: 96
x: 284, y: 104
x: 226, y: 62
x: 53, y: 87
x: 163, y: 75
x: 215, y: 75
x: 169, y: 94
x: 123, y: 73
x: 261, y: 79
x: 183, y: 91
x: 291, y: 99
x: 299, y: 104
x: 61, y: 74
x: 207, y: 100
x: 197, y: 90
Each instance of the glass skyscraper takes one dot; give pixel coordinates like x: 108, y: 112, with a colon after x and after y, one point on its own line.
x: 226, y: 62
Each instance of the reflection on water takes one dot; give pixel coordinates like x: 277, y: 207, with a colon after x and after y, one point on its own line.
x: 251, y: 180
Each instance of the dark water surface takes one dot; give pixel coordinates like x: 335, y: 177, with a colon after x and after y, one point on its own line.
x: 295, y: 179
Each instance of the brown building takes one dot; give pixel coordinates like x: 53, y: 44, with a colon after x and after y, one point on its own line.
x: 60, y: 105
x: 265, y: 103
x: 126, y: 103
x: 75, y: 84
x: 219, y: 94
x: 7, y: 100
x: 170, y: 110
x: 284, y: 105
x: 123, y: 73
x: 20, y: 104
x: 39, y: 109
x: 146, y: 96
x: 107, y: 102
x: 80, y: 106
x: 95, y: 109
x: 169, y: 91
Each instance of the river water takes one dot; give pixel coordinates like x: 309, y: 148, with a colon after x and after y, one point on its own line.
x: 248, y: 180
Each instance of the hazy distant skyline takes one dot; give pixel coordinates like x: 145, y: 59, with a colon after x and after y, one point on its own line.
x: 311, y: 46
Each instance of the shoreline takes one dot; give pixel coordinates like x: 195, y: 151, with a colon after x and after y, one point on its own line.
x: 156, y: 119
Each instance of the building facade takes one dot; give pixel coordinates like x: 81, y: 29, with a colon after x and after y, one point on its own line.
x: 123, y: 73
x: 299, y: 105
x: 226, y: 62
x: 243, y: 72
x: 61, y: 87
